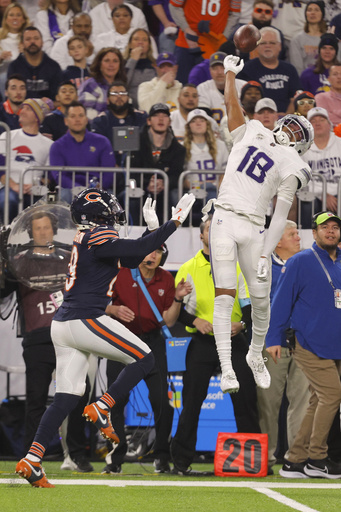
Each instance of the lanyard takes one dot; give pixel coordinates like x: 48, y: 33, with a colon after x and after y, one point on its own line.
x: 135, y: 273
x: 324, y: 268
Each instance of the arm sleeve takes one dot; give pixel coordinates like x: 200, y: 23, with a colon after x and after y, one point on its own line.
x: 284, y: 200
x: 186, y: 318
x: 132, y: 252
x: 178, y: 16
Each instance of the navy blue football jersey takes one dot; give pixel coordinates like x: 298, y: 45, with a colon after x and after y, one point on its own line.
x: 96, y: 257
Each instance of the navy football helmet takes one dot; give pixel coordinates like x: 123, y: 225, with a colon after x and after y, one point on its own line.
x: 95, y: 207
x: 294, y: 125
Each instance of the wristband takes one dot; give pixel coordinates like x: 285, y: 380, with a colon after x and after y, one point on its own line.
x: 178, y: 300
x: 192, y: 37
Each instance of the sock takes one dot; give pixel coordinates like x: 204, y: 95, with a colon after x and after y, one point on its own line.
x: 223, y: 305
x: 260, y: 323
x: 36, y: 452
x: 106, y: 402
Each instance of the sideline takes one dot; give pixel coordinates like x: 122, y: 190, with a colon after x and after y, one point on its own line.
x: 178, y: 483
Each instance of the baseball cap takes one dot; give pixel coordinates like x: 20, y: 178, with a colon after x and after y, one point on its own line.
x: 217, y: 58
x: 164, y: 58
x: 322, y: 217
x: 159, y: 107
x: 266, y: 103
x: 317, y: 111
x: 197, y: 112
x: 40, y: 107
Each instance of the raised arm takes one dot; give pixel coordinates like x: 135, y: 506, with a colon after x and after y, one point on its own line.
x: 235, y: 117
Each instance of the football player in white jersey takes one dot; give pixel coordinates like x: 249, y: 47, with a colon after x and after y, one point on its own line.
x: 262, y: 164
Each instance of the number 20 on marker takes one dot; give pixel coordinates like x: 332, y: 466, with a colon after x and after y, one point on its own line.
x: 243, y: 455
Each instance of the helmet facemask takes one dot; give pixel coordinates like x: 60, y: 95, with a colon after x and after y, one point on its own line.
x: 298, y: 133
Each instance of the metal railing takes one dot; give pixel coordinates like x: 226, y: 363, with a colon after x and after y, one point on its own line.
x: 131, y: 191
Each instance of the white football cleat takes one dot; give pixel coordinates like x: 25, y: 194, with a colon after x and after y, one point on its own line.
x: 229, y: 382
x: 259, y: 370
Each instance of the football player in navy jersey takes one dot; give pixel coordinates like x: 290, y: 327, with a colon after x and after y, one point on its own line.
x: 81, y: 327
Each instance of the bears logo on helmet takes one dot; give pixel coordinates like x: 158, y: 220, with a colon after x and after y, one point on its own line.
x: 94, y: 207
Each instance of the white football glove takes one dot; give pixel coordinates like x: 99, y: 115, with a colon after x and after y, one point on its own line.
x: 182, y: 209
x: 149, y: 214
x: 231, y: 64
x: 263, y: 271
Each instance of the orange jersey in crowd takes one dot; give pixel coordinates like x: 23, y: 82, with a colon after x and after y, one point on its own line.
x: 217, y: 11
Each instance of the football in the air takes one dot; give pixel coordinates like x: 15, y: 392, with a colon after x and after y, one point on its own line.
x: 246, y: 38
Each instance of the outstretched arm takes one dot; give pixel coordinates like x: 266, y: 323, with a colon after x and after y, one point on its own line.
x: 235, y: 117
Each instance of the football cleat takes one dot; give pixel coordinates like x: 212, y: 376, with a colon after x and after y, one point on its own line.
x: 229, y: 382
x: 33, y: 473
x: 259, y: 370
x: 101, y: 419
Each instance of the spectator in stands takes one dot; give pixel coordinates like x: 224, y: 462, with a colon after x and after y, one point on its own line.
x: 159, y: 149
x: 168, y: 29
x: 266, y: 112
x: 42, y: 74
x: 331, y: 100
x: 15, y: 92
x: 200, y: 34
x: 120, y: 112
x: 279, y: 79
x: 211, y: 92
x: 80, y: 148
x: 188, y: 100
x: 290, y: 19
x: 120, y: 31
x: 140, y: 62
x: 164, y: 88
x: 205, y: 154
x: 261, y: 16
x: 323, y: 158
x: 315, y: 78
x: 15, y: 20
x: 53, y: 125
x: 53, y: 20
x: 303, y: 102
x: 28, y: 147
x: 286, y: 377
x: 78, y: 72
x: 102, y: 19
x: 3, y: 5
x: 81, y: 25
x: 304, y: 46
x: 107, y: 67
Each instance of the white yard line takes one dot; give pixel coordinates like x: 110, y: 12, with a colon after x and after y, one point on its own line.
x: 179, y: 483
x: 286, y: 501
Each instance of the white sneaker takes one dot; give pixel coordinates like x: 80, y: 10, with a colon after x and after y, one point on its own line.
x: 68, y: 464
x: 259, y: 370
x: 229, y: 382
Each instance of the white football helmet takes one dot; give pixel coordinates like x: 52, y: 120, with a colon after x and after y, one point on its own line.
x: 294, y: 124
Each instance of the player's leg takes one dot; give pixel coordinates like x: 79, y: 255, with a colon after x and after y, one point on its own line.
x: 223, y: 255
x: 249, y: 251
x: 108, y: 338
x: 71, y: 370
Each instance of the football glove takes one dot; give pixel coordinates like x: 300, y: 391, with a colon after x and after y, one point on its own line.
x: 149, y: 214
x: 263, y: 272
x: 182, y: 209
x: 233, y: 63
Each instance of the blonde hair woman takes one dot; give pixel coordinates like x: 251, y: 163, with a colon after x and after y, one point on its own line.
x: 205, y: 153
x: 14, y: 21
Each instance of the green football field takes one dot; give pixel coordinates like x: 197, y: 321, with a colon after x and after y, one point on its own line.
x: 139, y: 489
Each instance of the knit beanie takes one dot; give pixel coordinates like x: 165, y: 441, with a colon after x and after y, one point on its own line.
x: 329, y: 39
x: 39, y: 107
x: 301, y: 96
x: 319, y: 3
x: 251, y: 83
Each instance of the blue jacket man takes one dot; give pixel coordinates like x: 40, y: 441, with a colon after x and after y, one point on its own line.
x: 308, y: 298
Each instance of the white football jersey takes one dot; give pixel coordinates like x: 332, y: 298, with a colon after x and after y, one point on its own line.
x: 202, y: 160
x: 178, y: 124
x: 256, y: 170
x: 211, y: 97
